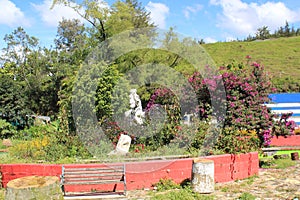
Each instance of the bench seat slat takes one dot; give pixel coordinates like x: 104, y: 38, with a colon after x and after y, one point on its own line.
x: 94, y: 172
x: 95, y: 169
x: 68, y: 179
x: 92, y: 182
x: 99, y: 175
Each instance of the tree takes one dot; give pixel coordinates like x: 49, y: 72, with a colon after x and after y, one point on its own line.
x: 19, y: 46
x: 287, y: 30
x: 70, y: 35
x: 263, y: 33
x: 71, y: 50
x: 201, y: 41
x: 112, y: 94
x: 93, y: 11
x: 17, y: 75
x: 126, y: 16
x: 12, y: 99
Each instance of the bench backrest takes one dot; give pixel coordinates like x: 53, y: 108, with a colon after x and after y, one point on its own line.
x: 93, y: 175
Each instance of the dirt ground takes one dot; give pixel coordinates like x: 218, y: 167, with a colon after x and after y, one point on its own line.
x: 270, y: 184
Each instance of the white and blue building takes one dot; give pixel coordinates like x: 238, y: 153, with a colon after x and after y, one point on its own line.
x: 286, y: 103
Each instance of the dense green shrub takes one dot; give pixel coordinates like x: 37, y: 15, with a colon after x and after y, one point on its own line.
x: 6, y: 129
x: 166, y: 184
x: 231, y: 140
x: 48, y: 143
x: 191, y: 137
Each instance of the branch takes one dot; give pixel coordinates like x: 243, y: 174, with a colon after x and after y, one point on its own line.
x: 175, y: 61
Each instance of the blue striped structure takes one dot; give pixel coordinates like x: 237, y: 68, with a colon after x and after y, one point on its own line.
x: 285, y: 103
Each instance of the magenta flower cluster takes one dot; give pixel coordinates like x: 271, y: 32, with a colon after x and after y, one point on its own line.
x: 247, y: 89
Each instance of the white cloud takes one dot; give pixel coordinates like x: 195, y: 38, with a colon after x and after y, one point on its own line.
x: 11, y: 15
x: 192, y: 9
x: 210, y: 40
x: 158, y: 13
x: 245, y: 18
x: 51, y: 17
x: 230, y: 39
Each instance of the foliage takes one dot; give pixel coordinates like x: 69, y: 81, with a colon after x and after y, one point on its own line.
x: 247, y: 196
x: 13, y: 100
x: 284, y: 163
x: 45, y: 142
x: 175, y: 192
x: 191, y: 137
x: 34, y: 149
x: 127, y: 15
x: 167, y: 100
x: 6, y: 129
x: 276, y: 163
x: 264, y: 33
x: 166, y: 184
x: 65, y: 105
x: 246, y: 92
x: 112, y: 131
x: 70, y: 35
x: 112, y: 94
x: 41, y: 81
x: 2, y: 192
x: 232, y: 141
x: 284, y: 126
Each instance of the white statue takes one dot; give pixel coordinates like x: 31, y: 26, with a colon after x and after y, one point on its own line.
x: 122, y: 146
x: 136, y: 110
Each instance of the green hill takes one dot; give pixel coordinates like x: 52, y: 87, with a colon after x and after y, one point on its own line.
x: 281, y: 57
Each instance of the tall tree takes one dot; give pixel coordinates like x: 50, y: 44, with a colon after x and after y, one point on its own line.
x: 19, y: 45
x: 287, y: 30
x: 12, y: 99
x: 127, y: 15
x: 17, y: 73
x: 95, y: 12
x: 70, y: 35
x: 71, y: 49
x: 263, y: 33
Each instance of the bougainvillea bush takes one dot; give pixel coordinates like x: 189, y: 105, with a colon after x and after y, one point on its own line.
x: 246, y: 126
x: 247, y: 89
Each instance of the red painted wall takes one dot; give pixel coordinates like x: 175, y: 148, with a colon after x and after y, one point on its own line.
x: 141, y: 175
x: 293, y: 140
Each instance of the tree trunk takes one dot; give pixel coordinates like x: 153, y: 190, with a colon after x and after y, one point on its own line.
x: 203, y: 176
x: 34, y: 187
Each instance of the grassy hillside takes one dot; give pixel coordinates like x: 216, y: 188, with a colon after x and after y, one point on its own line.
x: 281, y: 57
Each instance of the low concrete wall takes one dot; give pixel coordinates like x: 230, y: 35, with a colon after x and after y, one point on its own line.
x: 281, y: 141
x: 139, y: 175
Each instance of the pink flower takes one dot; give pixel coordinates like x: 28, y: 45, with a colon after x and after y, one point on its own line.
x: 255, y: 64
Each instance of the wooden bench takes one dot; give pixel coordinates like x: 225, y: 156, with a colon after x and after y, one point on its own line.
x: 113, y: 174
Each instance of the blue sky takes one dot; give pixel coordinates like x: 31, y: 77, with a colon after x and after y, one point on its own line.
x: 211, y: 20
